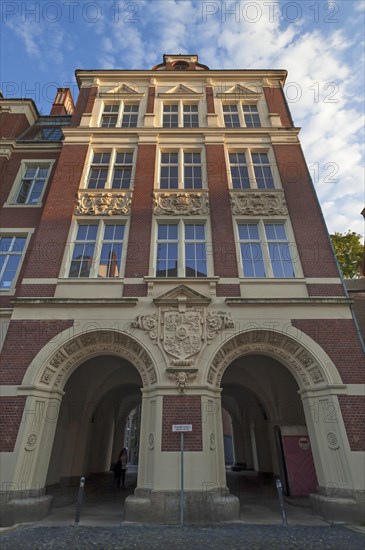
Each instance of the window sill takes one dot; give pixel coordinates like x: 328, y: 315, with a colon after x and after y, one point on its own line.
x: 89, y: 280
x: 9, y: 205
x: 7, y: 291
x: 152, y: 279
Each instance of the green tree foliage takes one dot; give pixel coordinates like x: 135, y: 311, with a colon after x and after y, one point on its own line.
x: 349, y: 251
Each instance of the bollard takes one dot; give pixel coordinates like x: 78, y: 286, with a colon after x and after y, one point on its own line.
x: 79, y: 499
x: 281, y: 501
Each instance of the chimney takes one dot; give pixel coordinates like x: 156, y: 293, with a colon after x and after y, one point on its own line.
x: 63, y: 103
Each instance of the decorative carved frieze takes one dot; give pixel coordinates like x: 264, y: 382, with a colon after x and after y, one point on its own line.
x: 259, y: 341
x: 96, y: 342
x: 258, y: 204
x: 187, y: 204
x: 103, y: 204
x: 148, y: 323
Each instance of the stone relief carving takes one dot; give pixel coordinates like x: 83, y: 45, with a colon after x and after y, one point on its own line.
x: 332, y: 440
x: 212, y: 441
x: 103, y: 204
x: 101, y: 341
x: 291, y: 352
x: 148, y: 323
x: 31, y: 441
x: 218, y: 321
x: 181, y: 203
x: 258, y: 204
x: 181, y: 381
x: 182, y: 333
x: 151, y: 441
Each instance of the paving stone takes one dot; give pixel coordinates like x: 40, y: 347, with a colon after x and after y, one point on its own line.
x: 228, y: 537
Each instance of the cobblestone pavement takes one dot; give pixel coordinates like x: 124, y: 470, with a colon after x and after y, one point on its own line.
x: 228, y: 537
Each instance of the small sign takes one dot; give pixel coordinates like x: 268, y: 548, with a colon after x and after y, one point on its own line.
x: 182, y: 427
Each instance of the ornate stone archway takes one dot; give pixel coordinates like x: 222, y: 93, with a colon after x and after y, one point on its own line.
x: 60, y: 364
x: 303, y: 364
x: 43, y: 386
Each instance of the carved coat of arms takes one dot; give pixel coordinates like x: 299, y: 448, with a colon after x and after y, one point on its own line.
x: 182, y: 333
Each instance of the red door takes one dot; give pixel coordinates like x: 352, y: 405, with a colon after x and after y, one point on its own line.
x: 299, y: 462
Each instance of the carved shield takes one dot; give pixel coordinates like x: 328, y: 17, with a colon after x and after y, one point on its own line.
x: 182, y: 333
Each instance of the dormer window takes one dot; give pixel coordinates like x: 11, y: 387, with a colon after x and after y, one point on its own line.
x: 181, y: 66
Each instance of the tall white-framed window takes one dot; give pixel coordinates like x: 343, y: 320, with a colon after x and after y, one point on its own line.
x: 180, y: 115
x: 97, y: 249
x: 181, y: 169
x: 30, y: 183
x: 12, y: 250
x: 181, y: 249
x: 122, y: 114
x: 265, y: 250
x: 251, y: 169
x: 111, y: 169
x: 245, y: 115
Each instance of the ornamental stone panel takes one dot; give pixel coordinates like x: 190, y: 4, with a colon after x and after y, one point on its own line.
x: 258, y: 204
x: 174, y: 204
x: 103, y: 204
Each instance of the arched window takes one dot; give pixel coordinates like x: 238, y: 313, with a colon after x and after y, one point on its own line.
x: 181, y: 66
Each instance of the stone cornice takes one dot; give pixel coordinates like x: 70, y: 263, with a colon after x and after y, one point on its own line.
x: 64, y: 302
x: 288, y: 301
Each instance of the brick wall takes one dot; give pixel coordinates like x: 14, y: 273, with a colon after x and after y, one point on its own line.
x: 339, y: 340
x: 182, y: 409
x: 210, y: 99
x: 138, y: 253
x: 310, y: 232
x: 11, y: 411
x: 12, y: 124
x: 276, y: 103
x: 23, y: 341
x: 151, y: 99
x: 325, y: 290
x: 84, y: 104
x: 353, y: 412
x: 223, y: 241
x: 46, y: 253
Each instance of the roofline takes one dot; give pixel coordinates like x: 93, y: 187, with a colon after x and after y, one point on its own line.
x: 27, y: 99
x: 204, y: 74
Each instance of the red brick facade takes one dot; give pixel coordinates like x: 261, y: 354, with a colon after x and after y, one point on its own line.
x: 310, y: 232
x: 182, y: 409
x: 11, y: 412
x: 209, y: 99
x: 325, y: 290
x: 23, y: 341
x: 276, y: 103
x: 353, y: 413
x: 339, y: 340
x: 151, y: 99
x: 49, y: 243
x: 223, y: 240
x: 138, y: 253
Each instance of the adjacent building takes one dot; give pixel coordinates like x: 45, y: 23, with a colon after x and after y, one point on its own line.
x: 164, y: 257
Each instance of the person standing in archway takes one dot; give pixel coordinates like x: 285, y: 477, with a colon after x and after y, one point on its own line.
x: 120, y: 467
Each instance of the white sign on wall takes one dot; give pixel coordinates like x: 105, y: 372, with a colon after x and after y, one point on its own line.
x: 182, y: 427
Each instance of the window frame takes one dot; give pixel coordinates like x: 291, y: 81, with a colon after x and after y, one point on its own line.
x: 111, y: 167
x: 264, y: 244
x: 122, y: 103
x: 100, y: 222
x: 241, y: 113
x: 181, y: 168
x: 181, y: 242
x: 16, y: 232
x: 248, y: 152
x: 181, y: 103
x: 15, y: 189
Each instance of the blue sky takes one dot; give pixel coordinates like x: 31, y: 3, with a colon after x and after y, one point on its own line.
x: 320, y: 43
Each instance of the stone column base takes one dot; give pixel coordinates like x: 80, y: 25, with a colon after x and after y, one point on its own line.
x: 24, y: 507
x: 340, y: 506
x: 150, y: 506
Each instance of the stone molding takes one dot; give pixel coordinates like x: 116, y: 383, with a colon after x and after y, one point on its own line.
x: 103, y: 204
x: 271, y: 343
x: 258, y: 204
x: 55, y: 371
x: 179, y: 203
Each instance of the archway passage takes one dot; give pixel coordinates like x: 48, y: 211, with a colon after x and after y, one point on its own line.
x: 91, y: 430
x: 269, y: 430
